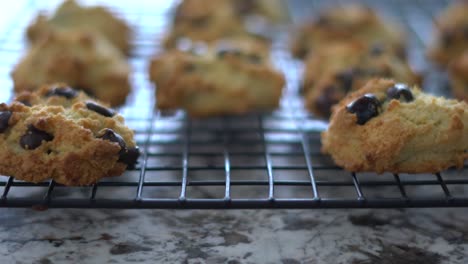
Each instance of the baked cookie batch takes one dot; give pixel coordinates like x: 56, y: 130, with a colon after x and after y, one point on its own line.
x: 394, y: 127
x: 216, y: 61
x: 62, y: 134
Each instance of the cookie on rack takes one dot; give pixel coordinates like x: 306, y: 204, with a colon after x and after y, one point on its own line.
x: 223, y: 79
x: 60, y: 133
x: 84, y: 60
x: 72, y: 16
x: 450, y: 34
x: 339, y: 68
x: 269, y: 10
x: 347, y: 23
x: 204, y: 20
x: 211, y: 20
x: 458, y: 72
x: 392, y: 127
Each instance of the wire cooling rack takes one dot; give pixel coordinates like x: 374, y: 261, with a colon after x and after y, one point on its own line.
x: 256, y: 161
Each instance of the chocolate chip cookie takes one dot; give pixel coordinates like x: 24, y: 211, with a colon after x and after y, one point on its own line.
x: 222, y: 79
x: 84, y: 60
x: 458, y: 72
x: 60, y: 133
x: 72, y: 16
x: 450, y: 34
x: 339, y: 68
x: 210, y: 20
x: 392, y: 127
x: 347, y: 23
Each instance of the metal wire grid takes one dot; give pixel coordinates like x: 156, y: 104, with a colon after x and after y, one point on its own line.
x: 256, y: 161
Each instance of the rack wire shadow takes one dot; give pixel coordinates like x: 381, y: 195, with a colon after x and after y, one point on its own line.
x: 263, y: 160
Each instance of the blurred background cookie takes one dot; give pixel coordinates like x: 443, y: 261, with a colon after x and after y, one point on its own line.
x: 390, y: 127
x: 339, y: 68
x: 84, y: 60
x: 450, y: 37
x: 72, y: 16
x: 346, y: 23
x: 226, y: 78
x: 60, y: 133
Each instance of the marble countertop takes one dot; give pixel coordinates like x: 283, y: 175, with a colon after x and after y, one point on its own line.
x: 429, y: 236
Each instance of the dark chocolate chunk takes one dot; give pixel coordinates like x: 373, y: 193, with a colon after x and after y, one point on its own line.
x: 377, y: 49
x: 465, y: 31
x: 327, y: 99
x: 110, y: 135
x: 4, y: 118
x: 100, y: 109
x: 244, y: 7
x: 399, y: 90
x: 200, y: 21
x: 346, y: 79
x: 34, y: 138
x: 323, y: 21
x: 129, y: 157
x: 447, y: 38
x: 254, y: 58
x: 66, y: 92
x: 226, y: 51
x: 365, y: 108
x: 189, y: 67
x: 26, y: 103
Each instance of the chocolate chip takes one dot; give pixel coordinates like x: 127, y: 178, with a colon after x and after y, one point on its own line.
x: 377, y: 50
x: 323, y: 21
x: 243, y: 7
x: 34, y: 137
x: 254, y: 58
x: 346, y: 78
x: 447, y: 38
x: 398, y: 90
x: 66, y: 92
x: 189, y: 67
x: 326, y: 100
x: 465, y: 31
x: 365, y: 108
x: 129, y: 157
x: 223, y: 52
x: 200, y: 21
x: 4, y: 118
x: 26, y: 103
x: 110, y: 135
x: 100, y: 109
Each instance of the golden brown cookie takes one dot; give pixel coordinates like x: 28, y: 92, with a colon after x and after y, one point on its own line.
x: 72, y: 16
x: 83, y: 60
x: 458, y: 72
x: 61, y: 134
x: 270, y: 10
x: 204, y: 20
x: 390, y: 127
x: 227, y: 79
x: 347, y: 23
x: 339, y: 68
x: 450, y: 34
x: 211, y: 20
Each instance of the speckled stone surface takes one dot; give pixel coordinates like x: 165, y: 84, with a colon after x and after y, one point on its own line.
x: 428, y: 236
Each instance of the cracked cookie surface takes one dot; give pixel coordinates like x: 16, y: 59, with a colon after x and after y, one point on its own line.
x: 348, y: 23
x: 450, y: 37
x: 60, y: 133
x: 390, y: 127
x: 225, y: 79
x: 82, y: 59
x: 340, y: 68
x: 72, y: 16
